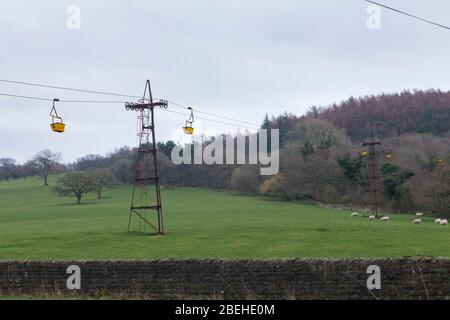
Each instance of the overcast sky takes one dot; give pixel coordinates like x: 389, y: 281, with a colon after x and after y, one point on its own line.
x: 237, y: 58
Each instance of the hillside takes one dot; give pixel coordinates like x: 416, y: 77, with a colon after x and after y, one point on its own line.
x: 384, y: 116
x: 35, y: 224
x: 389, y: 115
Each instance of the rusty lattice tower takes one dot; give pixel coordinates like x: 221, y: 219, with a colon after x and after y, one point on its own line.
x: 146, y: 206
x: 372, y: 195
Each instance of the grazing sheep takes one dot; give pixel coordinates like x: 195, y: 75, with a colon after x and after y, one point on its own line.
x: 384, y: 219
x: 417, y: 221
x: 371, y: 218
x: 354, y: 214
x: 437, y: 221
x: 444, y: 222
x: 419, y: 214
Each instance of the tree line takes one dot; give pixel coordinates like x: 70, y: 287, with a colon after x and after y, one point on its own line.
x: 320, y: 157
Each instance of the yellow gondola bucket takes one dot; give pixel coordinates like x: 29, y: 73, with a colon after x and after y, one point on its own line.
x: 188, y: 130
x: 388, y: 155
x: 57, y: 127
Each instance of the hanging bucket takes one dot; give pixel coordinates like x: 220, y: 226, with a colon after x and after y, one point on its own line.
x: 188, y: 130
x: 56, y: 126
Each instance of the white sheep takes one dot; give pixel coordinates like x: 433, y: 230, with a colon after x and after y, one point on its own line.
x: 354, y: 214
x: 437, y: 221
x: 444, y: 222
x: 417, y: 221
x: 371, y: 218
x: 419, y: 214
x: 384, y: 219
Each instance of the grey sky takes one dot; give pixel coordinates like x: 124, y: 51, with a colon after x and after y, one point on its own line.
x: 241, y: 59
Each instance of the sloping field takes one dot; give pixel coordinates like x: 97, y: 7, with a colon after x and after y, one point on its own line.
x: 36, y: 224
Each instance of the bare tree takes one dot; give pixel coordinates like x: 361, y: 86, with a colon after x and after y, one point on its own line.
x: 123, y: 170
x: 77, y: 184
x: 101, y: 178
x: 45, y: 161
x: 7, y: 166
x: 309, y: 166
x: 275, y: 187
x: 246, y: 179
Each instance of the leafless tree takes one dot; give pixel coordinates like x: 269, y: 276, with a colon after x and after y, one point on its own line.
x: 7, y: 166
x: 101, y: 178
x: 45, y: 161
x: 77, y: 184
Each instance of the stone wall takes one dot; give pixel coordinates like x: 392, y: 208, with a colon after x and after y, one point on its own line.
x: 233, y: 279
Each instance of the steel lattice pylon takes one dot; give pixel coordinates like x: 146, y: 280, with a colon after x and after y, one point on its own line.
x: 372, y: 195
x: 146, y: 199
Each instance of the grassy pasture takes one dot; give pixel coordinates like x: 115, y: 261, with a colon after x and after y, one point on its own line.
x: 36, y: 224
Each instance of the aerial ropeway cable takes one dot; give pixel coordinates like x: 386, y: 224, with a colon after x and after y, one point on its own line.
x: 58, y: 125
x: 174, y: 104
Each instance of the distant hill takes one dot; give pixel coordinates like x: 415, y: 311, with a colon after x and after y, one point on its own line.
x: 390, y: 115
x: 385, y: 115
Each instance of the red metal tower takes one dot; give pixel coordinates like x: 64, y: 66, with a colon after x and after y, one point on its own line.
x: 146, y: 199
x: 372, y: 187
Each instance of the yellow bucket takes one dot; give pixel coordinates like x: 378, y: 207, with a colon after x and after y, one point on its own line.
x: 188, y: 130
x: 57, y: 127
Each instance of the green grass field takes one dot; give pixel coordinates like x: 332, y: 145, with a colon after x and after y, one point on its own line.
x: 36, y: 224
